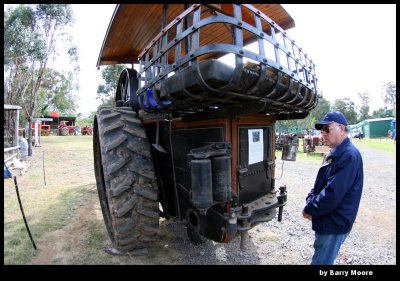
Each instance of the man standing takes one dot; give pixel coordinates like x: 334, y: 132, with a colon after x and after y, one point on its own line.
x: 333, y: 203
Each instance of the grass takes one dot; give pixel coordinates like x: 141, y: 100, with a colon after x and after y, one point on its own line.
x: 384, y: 144
x: 92, y: 242
x: 44, y: 214
x: 47, y: 207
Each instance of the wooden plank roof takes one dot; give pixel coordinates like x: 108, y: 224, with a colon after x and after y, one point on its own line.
x: 133, y: 26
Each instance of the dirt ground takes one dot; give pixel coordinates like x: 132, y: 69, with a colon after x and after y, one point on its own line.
x: 67, y: 224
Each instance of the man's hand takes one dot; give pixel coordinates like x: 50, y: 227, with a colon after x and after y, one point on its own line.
x: 307, y: 216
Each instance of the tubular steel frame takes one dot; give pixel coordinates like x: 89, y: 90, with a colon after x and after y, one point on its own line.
x: 155, y: 67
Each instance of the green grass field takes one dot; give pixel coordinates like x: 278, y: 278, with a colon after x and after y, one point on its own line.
x: 384, y: 144
x: 59, y: 175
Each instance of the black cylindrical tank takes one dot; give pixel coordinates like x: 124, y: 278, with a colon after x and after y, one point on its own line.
x: 289, y: 150
x: 201, y: 183
x: 221, y: 178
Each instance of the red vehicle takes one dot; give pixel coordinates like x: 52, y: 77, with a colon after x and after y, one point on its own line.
x: 310, y: 142
x: 45, y: 130
x: 64, y: 129
x: 87, y: 130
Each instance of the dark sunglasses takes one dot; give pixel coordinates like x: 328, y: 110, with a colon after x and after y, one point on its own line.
x: 328, y: 128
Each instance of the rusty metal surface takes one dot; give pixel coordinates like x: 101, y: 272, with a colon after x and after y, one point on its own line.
x: 133, y: 26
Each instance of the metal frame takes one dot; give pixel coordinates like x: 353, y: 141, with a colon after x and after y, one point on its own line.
x: 155, y: 68
x: 15, y: 133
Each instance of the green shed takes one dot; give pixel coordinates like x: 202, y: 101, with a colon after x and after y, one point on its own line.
x: 376, y: 128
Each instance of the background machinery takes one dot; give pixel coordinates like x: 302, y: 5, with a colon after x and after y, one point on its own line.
x: 64, y: 129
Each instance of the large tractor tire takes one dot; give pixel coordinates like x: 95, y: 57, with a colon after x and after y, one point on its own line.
x: 64, y: 131
x: 125, y: 179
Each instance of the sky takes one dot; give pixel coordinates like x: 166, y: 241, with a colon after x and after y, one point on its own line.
x: 91, y: 24
x: 353, y: 47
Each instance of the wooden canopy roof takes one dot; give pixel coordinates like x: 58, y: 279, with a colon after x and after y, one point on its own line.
x: 133, y: 26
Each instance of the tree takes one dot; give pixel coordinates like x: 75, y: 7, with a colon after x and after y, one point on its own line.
x: 30, y: 36
x: 91, y: 116
x: 382, y: 113
x: 364, y: 109
x: 308, y: 123
x: 106, y: 91
x: 318, y: 113
x: 389, y: 99
x: 86, y: 120
x: 56, y: 94
x: 389, y: 96
x: 346, y: 106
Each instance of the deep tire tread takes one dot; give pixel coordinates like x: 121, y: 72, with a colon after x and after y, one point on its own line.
x: 116, y: 142
x: 132, y: 214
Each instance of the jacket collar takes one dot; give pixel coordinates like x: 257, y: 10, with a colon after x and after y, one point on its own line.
x: 337, y: 150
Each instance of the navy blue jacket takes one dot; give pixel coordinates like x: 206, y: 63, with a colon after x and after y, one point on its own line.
x: 333, y: 202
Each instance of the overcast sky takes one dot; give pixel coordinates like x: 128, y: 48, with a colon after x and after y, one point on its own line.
x: 353, y: 47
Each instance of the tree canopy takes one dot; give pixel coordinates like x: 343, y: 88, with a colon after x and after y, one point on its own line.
x: 110, y: 75
x: 55, y: 94
x: 31, y: 33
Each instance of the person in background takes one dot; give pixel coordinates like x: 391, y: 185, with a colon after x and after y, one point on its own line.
x: 332, y: 204
x: 360, y: 135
